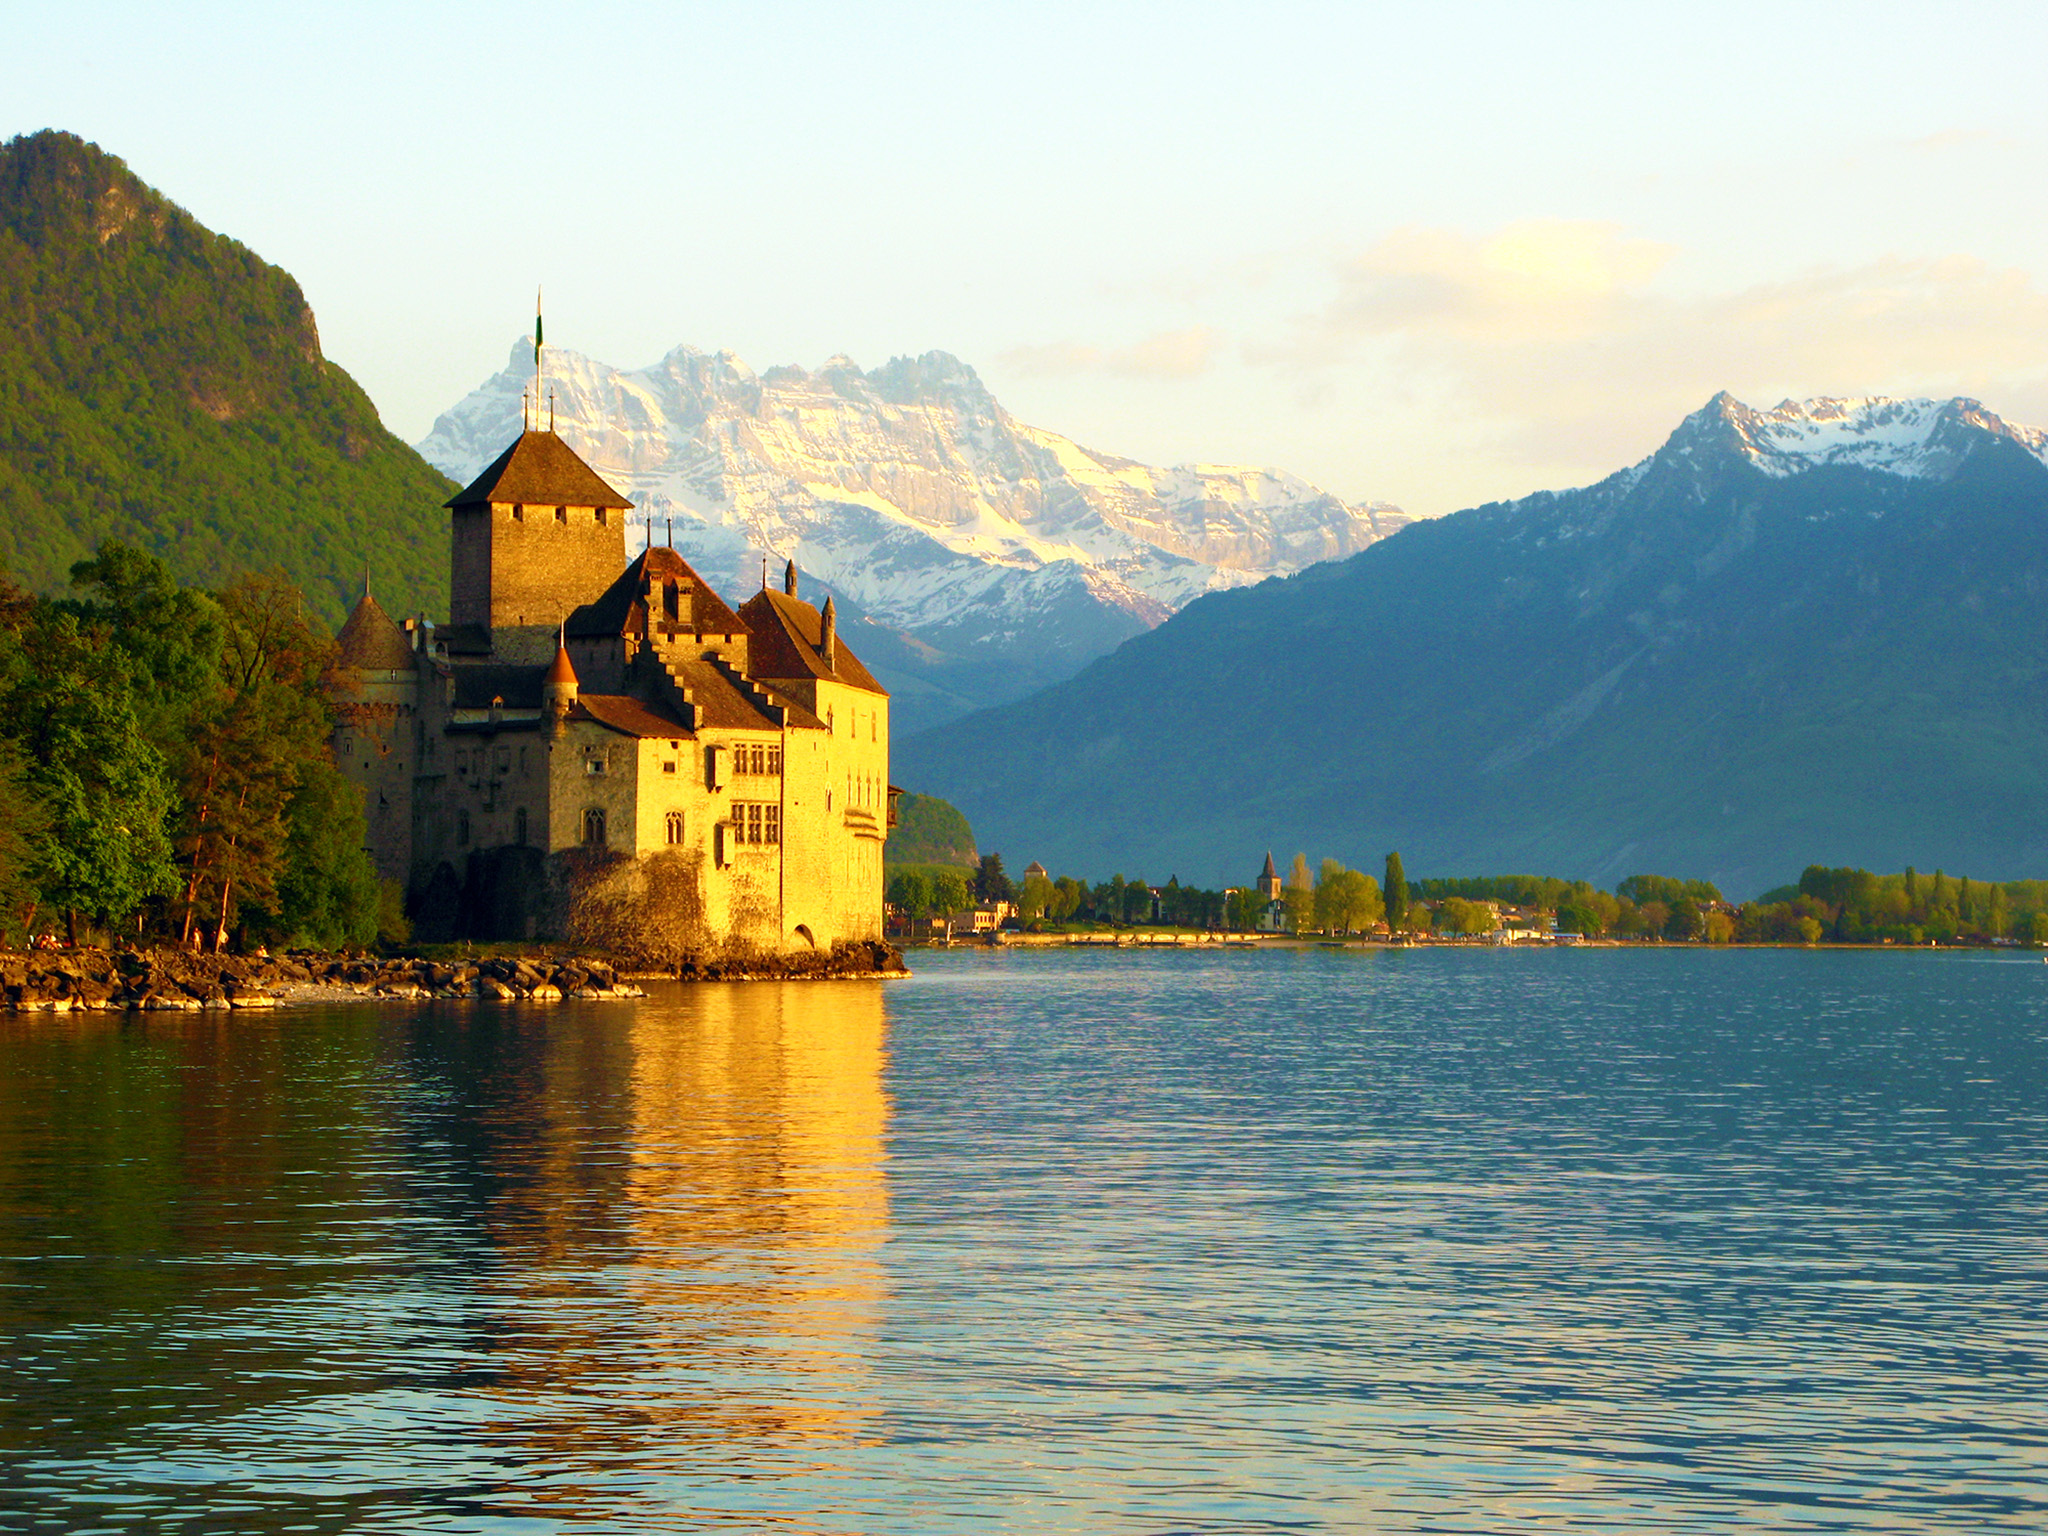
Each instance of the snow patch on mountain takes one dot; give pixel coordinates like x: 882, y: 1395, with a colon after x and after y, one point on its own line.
x: 1916, y: 439
x: 907, y: 488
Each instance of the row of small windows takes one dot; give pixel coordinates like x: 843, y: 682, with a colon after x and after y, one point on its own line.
x: 863, y: 789
x: 756, y: 758
x: 752, y: 823
x: 520, y: 510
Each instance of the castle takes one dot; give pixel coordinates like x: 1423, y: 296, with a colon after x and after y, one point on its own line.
x: 591, y: 736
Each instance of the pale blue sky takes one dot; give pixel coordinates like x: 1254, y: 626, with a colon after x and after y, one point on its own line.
x: 1426, y: 254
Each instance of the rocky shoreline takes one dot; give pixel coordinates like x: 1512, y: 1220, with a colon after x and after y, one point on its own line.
x: 174, y: 980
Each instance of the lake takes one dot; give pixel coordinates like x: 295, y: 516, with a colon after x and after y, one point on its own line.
x: 1053, y: 1240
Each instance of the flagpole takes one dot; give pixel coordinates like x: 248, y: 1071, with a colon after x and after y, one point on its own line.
x: 536, y: 359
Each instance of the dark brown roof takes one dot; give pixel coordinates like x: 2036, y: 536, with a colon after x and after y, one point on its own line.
x: 721, y: 705
x: 634, y: 717
x: 539, y: 469
x: 622, y: 610
x: 476, y: 686
x: 370, y: 642
x: 787, y: 633
x: 463, y: 639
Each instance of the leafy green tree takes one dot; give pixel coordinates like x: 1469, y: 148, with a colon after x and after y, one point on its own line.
x: 23, y: 825
x: 1346, y: 900
x: 1456, y: 915
x: 911, y: 890
x: 1036, y: 898
x: 68, y: 708
x: 1300, y: 895
x: 950, y: 891
x: 1395, y: 891
x: 1068, y: 896
x: 990, y: 883
x: 328, y: 893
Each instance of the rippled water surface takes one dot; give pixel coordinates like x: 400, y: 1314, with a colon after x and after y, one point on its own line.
x: 1055, y: 1241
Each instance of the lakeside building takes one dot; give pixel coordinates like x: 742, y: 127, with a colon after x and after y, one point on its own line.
x: 590, y: 735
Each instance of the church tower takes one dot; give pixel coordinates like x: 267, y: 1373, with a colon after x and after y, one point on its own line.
x: 532, y: 539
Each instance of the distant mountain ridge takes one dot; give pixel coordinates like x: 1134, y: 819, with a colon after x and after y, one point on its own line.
x: 1814, y: 633
x: 981, y: 556
x: 162, y: 385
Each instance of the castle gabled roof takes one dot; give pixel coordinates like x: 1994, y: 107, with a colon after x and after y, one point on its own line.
x: 622, y: 609
x: 788, y: 633
x: 370, y: 642
x: 539, y: 469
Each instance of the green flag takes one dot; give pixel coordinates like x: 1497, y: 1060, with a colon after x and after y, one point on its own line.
x: 536, y: 327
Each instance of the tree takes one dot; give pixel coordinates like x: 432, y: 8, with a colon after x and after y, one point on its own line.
x: 1395, y: 890
x: 1036, y: 898
x: 328, y: 892
x: 990, y: 883
x: 950, y: 891
x: 1068, y: 896
x: 1347, y: 900
x: 1300, y: 895
x: 67, y: 706
x: 23, y: 825
x: 911, y: 890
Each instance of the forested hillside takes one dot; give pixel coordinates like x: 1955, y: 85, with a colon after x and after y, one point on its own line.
x: 163, y: 386
x: 1814, y: 634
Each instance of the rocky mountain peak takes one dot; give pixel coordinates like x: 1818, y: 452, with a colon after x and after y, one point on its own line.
x: 1914, y: 439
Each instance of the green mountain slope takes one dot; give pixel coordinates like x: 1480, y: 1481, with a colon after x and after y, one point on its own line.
x: 163, y: 385
x: 1707, y: 665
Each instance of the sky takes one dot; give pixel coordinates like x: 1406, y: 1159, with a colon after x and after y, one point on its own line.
x: 1432, y: 256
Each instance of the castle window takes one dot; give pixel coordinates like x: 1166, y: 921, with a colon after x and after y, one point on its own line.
x: 593, y: 765
x: 669, y: 766
x: 519, y: 826
x: 753, y: 813
x: 675, y: 827
x: 771, y: 823
x: 522, y: 762
x: 462, y: 829
x: 562, y: 515
x: 775, y: 759
x: 504, y: 759
x: 593, y: 827
x: 602, y: 519
x: 462, y: 762
x: 519, y: 512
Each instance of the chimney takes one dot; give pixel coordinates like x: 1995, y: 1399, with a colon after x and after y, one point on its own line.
x: 789, y: 578
x: 828, y: 636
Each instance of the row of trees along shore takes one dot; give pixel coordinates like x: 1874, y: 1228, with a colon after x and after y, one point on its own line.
x: 1842, y: 906
x: 165, y: 770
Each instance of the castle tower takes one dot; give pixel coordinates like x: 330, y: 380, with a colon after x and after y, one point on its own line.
x: 374, y: 684
x: 533, y: 538
x: 1268, y: 885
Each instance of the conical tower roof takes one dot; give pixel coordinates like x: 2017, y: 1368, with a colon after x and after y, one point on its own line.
x: 370, y: 642
x: 561, y: 672
x: 1269, y: 872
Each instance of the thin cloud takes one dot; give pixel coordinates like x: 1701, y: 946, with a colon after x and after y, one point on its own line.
x: 1162, y: 355
x: 1563, y: 336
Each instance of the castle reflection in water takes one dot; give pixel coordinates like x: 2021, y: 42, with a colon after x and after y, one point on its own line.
x: 577, y: 1236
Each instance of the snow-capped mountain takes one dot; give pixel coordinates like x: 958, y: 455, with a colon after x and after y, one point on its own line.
x: 999, y: 555
x: 1811, y: 634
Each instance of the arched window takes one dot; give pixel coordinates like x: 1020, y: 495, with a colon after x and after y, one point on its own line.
x: 593, y: 827
x: 675, y: 827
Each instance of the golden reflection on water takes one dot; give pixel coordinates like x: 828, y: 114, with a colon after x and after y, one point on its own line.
x: 694, y: 1259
